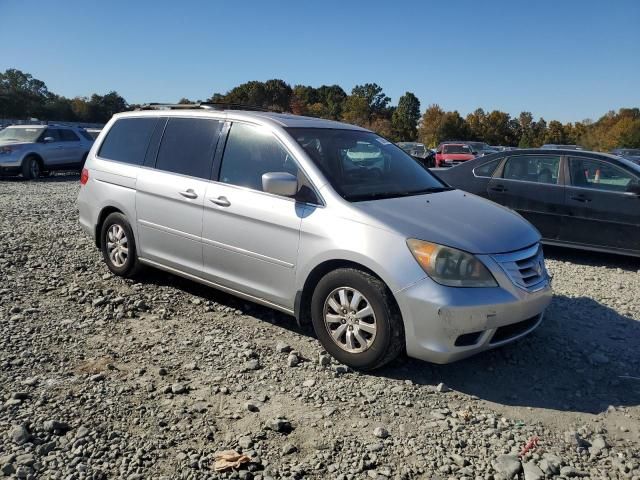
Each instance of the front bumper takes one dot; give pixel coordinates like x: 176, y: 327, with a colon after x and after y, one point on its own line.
x: 445, y: 324
x: 10, y: 167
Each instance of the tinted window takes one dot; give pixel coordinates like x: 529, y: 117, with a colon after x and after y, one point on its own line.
x: 127, y: 140
x: 533, y: 168
x: 599, y: 175
x: 68, y: 135
x: 53, y: 133
x: 487, y: 169
x: 87, y: 135
x: 250, y: 152
x: 364, y: 166
x: 456, y: 149
x: 187, y: 146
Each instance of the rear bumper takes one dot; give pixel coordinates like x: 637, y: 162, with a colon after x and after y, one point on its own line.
x: 444, y: 324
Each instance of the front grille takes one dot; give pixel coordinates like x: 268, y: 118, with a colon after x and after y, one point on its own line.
x: 511, y: 331
x: 525, y: 267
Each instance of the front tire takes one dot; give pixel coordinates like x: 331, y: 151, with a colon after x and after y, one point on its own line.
x: 356, y: 319
x: 119, y: 246
x: 31, y: 168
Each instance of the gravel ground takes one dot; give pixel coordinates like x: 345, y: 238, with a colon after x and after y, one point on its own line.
x: 102, y: 377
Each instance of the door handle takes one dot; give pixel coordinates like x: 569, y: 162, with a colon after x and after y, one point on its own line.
x: 189, y: 193
x: 581, y: 198
x: 499, y: 188
x: 222, y: 201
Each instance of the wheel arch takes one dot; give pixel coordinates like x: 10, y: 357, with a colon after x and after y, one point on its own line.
x: 102, y: 216
x: 302, y: 304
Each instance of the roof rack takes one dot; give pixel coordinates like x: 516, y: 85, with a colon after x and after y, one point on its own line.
x: 204, y: 106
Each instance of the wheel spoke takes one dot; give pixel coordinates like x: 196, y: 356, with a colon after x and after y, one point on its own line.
x: 331, y: 318
x: 342, y: 293
x: 355, y: 300
x: 365, y: 312
x: 360, y: 338
x: 349, y: 339
x: 120, y: 233
x: 337, y: 333
x: 367, y: 327
x: 334, y: 305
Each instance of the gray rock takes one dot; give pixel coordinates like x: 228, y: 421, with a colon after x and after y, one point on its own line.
x: 253, y: 364
x: 309, y: 383
x: 7, y: 469
x: 288, y: 448
x: 280, y: 424
x: 282, y: 347
x: 292, y: 360
x: 324, y: 360
x: 571, y: 472
x: 381, y: 432
x: 98, y: 377
x: 26, y: 459
x: 82, y: 432
x: 459, y: 460
x: 20, y: 435
x: 442, y: 388
x: 575, y: 440
x: 57, y: 427
x: 178, y: 388
x: 550, y: 464
x: 245, y: 442
x: 532, y: 471
x: 251, y: 406
x: 508, y: 466
x: 598, y: 444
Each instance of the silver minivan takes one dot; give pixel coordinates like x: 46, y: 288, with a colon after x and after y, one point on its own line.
x: 322, y: 220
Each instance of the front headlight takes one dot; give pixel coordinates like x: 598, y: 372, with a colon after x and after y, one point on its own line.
x: 449, y: 266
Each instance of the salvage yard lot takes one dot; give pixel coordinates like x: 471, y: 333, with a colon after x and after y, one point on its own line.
x: 150, y: 378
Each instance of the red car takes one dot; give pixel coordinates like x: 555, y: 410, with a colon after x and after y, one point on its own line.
x: 450, y: 154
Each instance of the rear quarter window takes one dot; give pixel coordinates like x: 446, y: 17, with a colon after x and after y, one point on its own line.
x: 128, y: 139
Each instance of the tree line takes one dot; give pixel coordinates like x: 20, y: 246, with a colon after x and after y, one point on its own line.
x: 22, y: 96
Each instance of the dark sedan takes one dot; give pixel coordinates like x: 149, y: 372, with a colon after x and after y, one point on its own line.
x: 578, y: 199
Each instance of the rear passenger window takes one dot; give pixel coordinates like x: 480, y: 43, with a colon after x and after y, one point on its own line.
x: 487, y: 169
x: 250, y: 152
x: 533, y: 168
x: 127, y: 140
x: 188, y: 145
x: 68, y: 136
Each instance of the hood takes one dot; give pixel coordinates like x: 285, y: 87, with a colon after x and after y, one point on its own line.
x: 453, y: 218
x: 457, y: 156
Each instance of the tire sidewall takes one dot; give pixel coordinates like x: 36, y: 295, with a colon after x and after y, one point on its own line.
x: 129, y: 267
x: 26, y: 168
x: 361, y: 282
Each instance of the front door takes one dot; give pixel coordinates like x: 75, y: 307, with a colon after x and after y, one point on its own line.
x: 529, y: 184
x: 169, y: 197
x: 52, y: 150
x: 250, y: 237
x: 72, y: 147
x: 600, y: 210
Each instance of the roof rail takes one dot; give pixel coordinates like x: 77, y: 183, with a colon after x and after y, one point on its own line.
x: 204, y: 106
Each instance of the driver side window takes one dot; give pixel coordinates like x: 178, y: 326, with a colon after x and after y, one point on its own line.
x: 250, y: 152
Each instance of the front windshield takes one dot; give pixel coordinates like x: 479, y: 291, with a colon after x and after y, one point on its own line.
x: 364, y: 166
x: 20, y: 134
x: 456, y: 149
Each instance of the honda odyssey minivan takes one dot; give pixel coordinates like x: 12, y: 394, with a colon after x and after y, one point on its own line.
x: 322, y: 220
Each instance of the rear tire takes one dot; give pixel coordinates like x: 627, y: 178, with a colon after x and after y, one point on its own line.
x: 31, y: 168
x: 119, y: 246
x: 352, y: 303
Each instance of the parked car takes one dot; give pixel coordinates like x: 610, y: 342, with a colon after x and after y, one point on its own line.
x: 449, y: 154
x: 578, y: 199
x: 501, y: 148
x: 32, y: 150
x: 553, y: 146
x: 481, y: 148
x: 418, y: 151
x: 94, y: 132
x: 322, y: 220
x: 632, y: 154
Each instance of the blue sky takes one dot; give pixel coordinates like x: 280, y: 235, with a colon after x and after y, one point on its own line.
x: 561, y: 59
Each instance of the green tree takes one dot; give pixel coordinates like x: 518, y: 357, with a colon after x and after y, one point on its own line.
x: 21, y: 95
x: 429, y: 131
x: 525, y: 130
x: 103, y: 107
x: 476, y: 122
x: 376, y: 99
x: 404, y: 120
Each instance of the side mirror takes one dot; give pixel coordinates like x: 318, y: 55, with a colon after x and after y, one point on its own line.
x: 280, y: 183
x: 48, y: 139
x: 439, y: 151
x: 474, y: 153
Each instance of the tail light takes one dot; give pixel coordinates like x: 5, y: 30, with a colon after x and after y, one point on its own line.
x: 84, y: 176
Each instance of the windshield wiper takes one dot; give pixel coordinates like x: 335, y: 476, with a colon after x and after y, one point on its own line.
x: 408, y: 193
